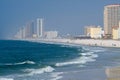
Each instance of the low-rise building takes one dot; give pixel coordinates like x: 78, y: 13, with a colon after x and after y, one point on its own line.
x: 94, y: 31
x: 116, y: 32
x: 51, y: 34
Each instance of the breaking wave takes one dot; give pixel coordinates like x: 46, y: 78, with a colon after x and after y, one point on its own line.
x: 6, y: 79
x: 19, y: 63
x: 56, y: 75
x: 39, y: 71
x: 84, y: 58
x: 89, y: 54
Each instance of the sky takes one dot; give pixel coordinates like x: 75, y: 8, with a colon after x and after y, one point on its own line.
x: 65, y: 16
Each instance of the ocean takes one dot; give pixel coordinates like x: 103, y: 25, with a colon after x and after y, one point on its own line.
x: 25, y: 60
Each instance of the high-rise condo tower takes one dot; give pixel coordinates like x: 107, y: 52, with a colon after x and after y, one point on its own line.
x: 111, y: 18
x: 39, y: 27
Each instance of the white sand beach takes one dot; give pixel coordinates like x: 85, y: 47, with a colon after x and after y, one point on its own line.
x: 89, y: 42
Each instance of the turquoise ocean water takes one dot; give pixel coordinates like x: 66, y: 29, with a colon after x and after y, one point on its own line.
x: 23, y: 60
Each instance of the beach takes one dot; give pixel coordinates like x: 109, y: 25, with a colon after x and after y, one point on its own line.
x: 88, y: 42
x: 57, y: 59
x: 107, y: 73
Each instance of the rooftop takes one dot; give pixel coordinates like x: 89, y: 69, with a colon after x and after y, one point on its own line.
x: 112, y: 5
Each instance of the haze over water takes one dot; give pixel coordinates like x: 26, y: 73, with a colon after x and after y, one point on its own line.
x: 67, y: 17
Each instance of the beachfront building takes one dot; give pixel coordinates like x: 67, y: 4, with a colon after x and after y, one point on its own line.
x: 51, y: 34
x: 116, y: 32
x: 39, y: 28
x: 26, y: 31
x: 94, y: 31
x: 111, y: 18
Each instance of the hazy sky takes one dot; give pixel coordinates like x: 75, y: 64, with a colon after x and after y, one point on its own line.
x: 66, y: 16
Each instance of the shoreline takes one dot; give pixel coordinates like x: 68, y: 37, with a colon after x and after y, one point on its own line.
x: 108, y: 73
x: 86, y: 42
x: 105, y: 73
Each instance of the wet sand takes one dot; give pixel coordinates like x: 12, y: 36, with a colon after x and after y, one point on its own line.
x: 91, y: 74
x: 113, y: 73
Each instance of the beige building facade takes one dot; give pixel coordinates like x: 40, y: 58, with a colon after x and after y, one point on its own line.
x: 51, y: 34
x: 93, y: 31
x: 116, y: 32
x: 111, y: 17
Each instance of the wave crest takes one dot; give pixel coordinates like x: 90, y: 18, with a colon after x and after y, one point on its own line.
x: 87, y: 54
x: 86, y: 57
x: 25, y: 62
x: 20, y: 63
x: 6, y: 79
x: 56, y: 75
x: 39, y: 71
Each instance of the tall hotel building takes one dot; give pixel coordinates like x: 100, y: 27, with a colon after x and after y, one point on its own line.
x: 39, y: 27
x: 111, y: 18
x: 29, y: 30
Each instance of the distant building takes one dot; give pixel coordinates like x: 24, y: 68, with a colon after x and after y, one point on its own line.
x: 23, y: 32
x: 19, y: 34
x: 116, y: 32
x: 94, y: 32
x: 29, y: 30
x: 39, y: 28
x: 34, y: 35
x: 51, y: 34
x: 26, y: 31
x: 111, y: 18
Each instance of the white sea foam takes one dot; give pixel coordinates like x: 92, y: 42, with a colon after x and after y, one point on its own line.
x: 6, y: 79
x: 84, y: 58
x: 81, y: 65
x: 69, y: 63
x: 85, y: 49
x: 25, y: 62
x: 90, y: 54
x: 87, y: 53
x: 94, y: 56
x: 98, y: 50
x: 65, y: 45
x: 39, y: 71
x: 57, y: 78
x: 56, y: 75
x: 20, y: 63
x: 80, y: 60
